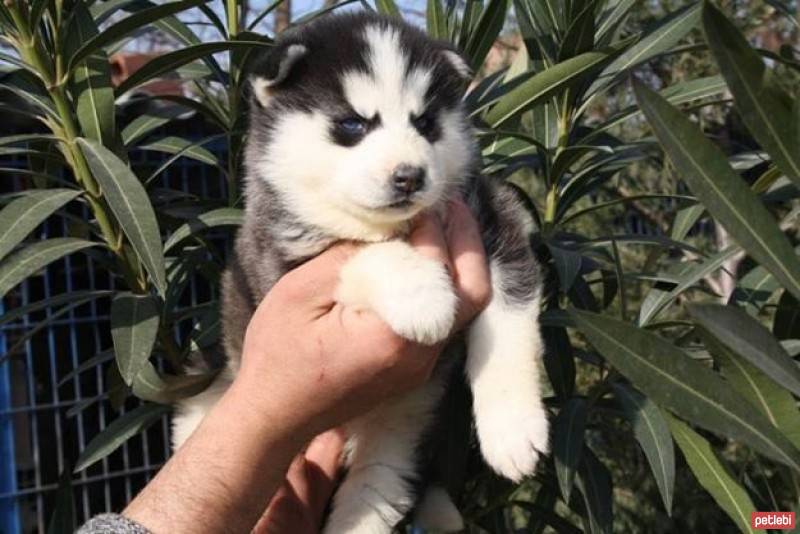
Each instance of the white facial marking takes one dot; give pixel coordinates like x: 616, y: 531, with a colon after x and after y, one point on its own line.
x: 387, y: 91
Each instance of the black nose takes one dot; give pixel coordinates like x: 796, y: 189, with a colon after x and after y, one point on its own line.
x: 408, y: 179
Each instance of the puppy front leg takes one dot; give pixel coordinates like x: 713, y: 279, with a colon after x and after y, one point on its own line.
x: 411, y: 292
x: 502, y: 366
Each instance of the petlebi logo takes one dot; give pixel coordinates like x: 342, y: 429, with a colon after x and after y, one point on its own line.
x: 772, y: 520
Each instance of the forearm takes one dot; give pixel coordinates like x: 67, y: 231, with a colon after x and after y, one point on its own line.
x: 223, y: 477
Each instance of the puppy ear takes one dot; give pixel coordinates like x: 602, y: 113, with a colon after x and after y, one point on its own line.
x: 458, y: 62
x: 275, y: 68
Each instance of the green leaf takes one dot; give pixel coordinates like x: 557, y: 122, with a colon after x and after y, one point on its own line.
x: 172, y: 60
x: 63, y: 519
x: 128, y: 200
x: 664, y: 35
x: 652, y: 306
x: 127, y: 26
x: 436, y: 20
x: 594, y: 481
x: 747, y: 337
x: 91, y: 81
x: 613, y: 17
x: 118, y: 432
x: 559, y: 359
x: 49, y: 321
x: 568, y: 265
x: 675, y: 381
x: 786, y: 324
x: 387, y: 7
x: 210, y: 219
x: 483, y: 37
x: 188, y: 149
x: 568, y: 442
x: 149, y: 121
x: 134, y: 328
x: 776, y: 403
x: 542, y: 86
x: 763, y: 105
x: 75, y: 296
x: 679, y: 93
x: 726, y: 196
x: 149, y: 385
x: 653, y: 435
x: 579, y: 37
x: 26, y: 261
x: 25, y: 213
x: 712, y: 474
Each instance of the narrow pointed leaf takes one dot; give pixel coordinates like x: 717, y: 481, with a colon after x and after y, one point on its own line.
x: 91, y: 81
x: 594, y: 482
x: 21, y: 216
x: 118, y: 432
x: 387, y: 7
x: 786, y: 324
x: 747, y: 337
x: 27, y: 261
x: 776, y: 403
x: 651, y: 307
x: 712, y: 474
x: 128, y: 25
x: 568, y: 442
x: 653, y: 435
x: 149, y: 121
x: 151, y: 386
x: 658, y: 39
x: 483, y: 37
x: 188, y: 149
x: 134, y: 327
x: 764, y: 106
x: 52, y: 302
x: 543, y: 85
x: 726, y: 196
x: 677, y: 382
x: 210, y: 219
x: 173, y: 60
x: 63, y: 519
x: 128, y: 200
x: 436, y: 20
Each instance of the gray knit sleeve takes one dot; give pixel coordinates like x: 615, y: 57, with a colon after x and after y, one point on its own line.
x: 111, y: 524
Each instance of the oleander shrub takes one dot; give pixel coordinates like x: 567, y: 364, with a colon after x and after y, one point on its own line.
x: 672, y: 315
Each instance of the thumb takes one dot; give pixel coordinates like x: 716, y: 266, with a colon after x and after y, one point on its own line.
x: 314, y: 283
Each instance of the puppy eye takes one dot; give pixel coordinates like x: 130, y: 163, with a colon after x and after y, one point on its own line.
x: 423, y: 123
x: 352, y: 126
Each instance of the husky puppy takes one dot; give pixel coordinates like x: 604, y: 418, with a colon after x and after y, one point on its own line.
x: 357, y: 126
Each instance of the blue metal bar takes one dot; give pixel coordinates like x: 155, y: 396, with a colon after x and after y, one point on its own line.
x: 9, y: 507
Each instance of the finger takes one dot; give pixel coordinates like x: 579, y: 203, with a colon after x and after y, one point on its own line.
x: 471, y: 276
x: 427, y: 237
x: 323, y: 462
x: 284, y: 513
x: 297, y: 480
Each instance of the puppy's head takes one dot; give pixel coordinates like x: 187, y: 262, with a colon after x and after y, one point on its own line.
x: 357, y: 122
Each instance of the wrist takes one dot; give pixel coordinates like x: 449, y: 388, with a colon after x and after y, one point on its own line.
x: 267, y: 411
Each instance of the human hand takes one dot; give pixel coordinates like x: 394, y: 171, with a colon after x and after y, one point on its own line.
x: 319, y: 364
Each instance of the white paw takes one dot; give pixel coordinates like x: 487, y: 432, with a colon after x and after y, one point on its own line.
x: 513, y: 438
x: 411, y: 292
x: 422, y: 306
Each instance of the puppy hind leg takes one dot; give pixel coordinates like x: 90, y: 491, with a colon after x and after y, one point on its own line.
x: 379, y: 489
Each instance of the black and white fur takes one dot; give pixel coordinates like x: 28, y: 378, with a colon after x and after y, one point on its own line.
x: 343, y: 107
